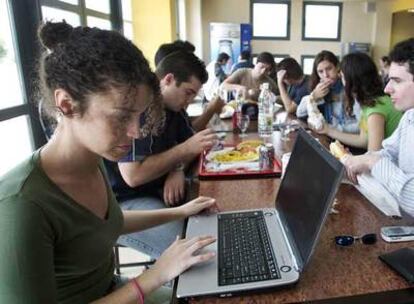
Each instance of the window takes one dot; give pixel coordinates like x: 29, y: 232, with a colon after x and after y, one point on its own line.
x: 99, y: 6
x: 127, y: 19
x: 307, y: 63
x: 98, y: 22
x: 15, y: 130
x: 88, y: 12
x: 10, y: 83
x: 20, y: 129
x: 270, y: 19
x: 328, y: 27
x: 15, y: 133
x: 74, y: 2
x: 56, y: 14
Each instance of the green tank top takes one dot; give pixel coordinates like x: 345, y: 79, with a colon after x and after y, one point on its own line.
x: 385, y: 108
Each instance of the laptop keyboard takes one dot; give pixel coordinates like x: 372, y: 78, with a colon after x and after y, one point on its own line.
x: 245, y: 250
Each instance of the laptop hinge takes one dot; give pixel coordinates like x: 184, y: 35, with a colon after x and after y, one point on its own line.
x: 293, y: 250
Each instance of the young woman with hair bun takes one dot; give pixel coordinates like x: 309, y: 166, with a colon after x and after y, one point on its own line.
x: 58, y: 216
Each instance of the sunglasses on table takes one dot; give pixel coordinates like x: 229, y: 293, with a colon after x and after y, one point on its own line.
x: 348, y: 240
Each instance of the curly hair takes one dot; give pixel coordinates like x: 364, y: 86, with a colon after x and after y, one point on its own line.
x: 362, y: 80
x: 85, y: 61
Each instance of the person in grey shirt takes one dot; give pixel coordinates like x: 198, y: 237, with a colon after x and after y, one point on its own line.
x: 393, y: 166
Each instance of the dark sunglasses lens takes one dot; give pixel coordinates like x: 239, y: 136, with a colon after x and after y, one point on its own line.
x: 344, y: 240
x: 369, y: 239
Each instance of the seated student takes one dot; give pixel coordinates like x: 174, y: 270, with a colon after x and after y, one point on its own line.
x: 328, y: 92
x: 248, y: 81
x: 216, y: 75
x: 363, y: 85
x: 393, y: 165
x: 245, y: 61
x: 214, y: 106
x: 152, y: 175
x: 290, y: 74
x: 59, y: 217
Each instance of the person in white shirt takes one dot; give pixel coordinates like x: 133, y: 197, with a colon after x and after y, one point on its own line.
x: 216, y: 75
x: 393, y: 165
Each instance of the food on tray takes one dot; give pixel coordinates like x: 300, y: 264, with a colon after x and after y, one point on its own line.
x: 249, y: 146
x: 246, y: 151
x: 338, y: 150
x: 249, y: 143
x: 235, y: 156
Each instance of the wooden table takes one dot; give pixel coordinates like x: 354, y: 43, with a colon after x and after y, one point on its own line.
x: 334, y: 275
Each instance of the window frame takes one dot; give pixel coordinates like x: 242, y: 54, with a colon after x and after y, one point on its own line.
x: 27, y: 51
x: 114, y: 16
x: 303, y: 57
x: 302, y: 61
x: 339, y: 25
x: 25, y: 18
x: 288, y: 3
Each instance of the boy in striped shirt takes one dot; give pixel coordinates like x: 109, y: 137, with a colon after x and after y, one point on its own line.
x: 393, y: 166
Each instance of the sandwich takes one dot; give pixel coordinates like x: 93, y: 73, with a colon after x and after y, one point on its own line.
x: 338, y: 150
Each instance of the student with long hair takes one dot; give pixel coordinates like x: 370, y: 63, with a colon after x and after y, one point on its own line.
x: 328, y: 92
x: 363, y: 85
x: 58, y: 216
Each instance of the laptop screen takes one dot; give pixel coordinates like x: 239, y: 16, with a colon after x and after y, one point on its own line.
x: 307, y: 189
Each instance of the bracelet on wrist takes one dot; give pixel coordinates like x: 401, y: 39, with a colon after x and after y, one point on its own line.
x: 138, y: 290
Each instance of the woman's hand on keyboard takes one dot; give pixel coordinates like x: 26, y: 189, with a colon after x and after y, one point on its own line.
x: 197, y: 205
x: 180, y: 256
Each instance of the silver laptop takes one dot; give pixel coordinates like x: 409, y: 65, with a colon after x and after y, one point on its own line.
x: 267, y: 248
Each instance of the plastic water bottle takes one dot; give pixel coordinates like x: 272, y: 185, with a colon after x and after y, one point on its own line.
x: 265, y: 104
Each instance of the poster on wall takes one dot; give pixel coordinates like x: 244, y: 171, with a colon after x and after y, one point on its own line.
x: 225, y: 37
x: 246, y: 37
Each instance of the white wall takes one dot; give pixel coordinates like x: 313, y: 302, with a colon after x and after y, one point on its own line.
x: 357, y: 25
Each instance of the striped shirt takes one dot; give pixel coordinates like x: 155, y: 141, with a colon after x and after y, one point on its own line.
x: 396, y: 167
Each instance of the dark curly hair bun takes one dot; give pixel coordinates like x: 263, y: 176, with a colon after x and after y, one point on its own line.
x: 53, y: 33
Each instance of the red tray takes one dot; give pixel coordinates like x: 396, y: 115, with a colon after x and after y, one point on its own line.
x: 239, y: 173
